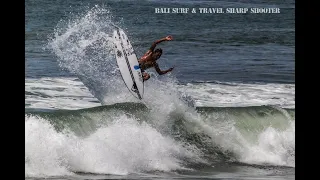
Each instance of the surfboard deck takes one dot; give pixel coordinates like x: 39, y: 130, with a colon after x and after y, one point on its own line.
x: 128, y: 63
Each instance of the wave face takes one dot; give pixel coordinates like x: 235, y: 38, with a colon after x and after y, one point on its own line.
x: 131, y: 138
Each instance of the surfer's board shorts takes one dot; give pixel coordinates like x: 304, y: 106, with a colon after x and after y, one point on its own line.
x: 136, y: 67
x: 142, y: 70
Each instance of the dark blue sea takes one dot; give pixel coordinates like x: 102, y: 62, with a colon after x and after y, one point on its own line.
x: 226, y: 111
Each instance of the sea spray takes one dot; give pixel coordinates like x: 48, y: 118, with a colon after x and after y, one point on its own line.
x: 83, y: 46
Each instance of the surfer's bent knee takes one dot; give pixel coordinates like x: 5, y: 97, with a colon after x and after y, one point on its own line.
x: 146, y: 76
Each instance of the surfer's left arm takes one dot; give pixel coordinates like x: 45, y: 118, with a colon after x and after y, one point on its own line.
x: 156, y: 66
x: 154, y: 44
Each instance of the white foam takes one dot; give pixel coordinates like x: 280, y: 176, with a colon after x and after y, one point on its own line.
x: 58, y: 93
x: 43, y: 148
x: 70, y: 93
x: 239, y: 94
x: 273, y: 147
x: 125, y: 146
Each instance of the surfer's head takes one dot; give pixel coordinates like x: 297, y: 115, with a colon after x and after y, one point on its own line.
x: 158, y: 53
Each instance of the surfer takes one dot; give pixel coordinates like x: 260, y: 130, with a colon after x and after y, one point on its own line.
x: 149, y: 59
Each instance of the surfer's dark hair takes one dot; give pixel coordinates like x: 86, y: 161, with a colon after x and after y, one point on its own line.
x: 158, y: 50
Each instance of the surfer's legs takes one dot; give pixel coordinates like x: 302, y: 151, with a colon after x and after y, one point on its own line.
x: 145, y: 75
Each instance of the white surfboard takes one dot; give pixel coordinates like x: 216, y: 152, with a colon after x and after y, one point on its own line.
x: 128, y: 63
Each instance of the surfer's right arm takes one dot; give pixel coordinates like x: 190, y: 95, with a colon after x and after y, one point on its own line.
x: 154, y: 44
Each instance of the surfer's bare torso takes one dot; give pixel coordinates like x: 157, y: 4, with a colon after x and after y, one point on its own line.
x: 149, y: 59
x: 146, y: 61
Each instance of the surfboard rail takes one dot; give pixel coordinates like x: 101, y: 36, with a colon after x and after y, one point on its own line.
x: 128, y: 63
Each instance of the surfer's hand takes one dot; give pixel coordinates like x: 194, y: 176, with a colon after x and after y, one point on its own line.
x: 169, y: 38
x: 170, y: 69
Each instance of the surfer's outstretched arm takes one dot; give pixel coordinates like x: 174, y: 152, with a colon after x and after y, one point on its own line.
x: 154, y: 44
x: 156, y: 66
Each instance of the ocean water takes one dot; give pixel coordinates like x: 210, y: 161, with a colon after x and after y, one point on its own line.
x: 227, y: 110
